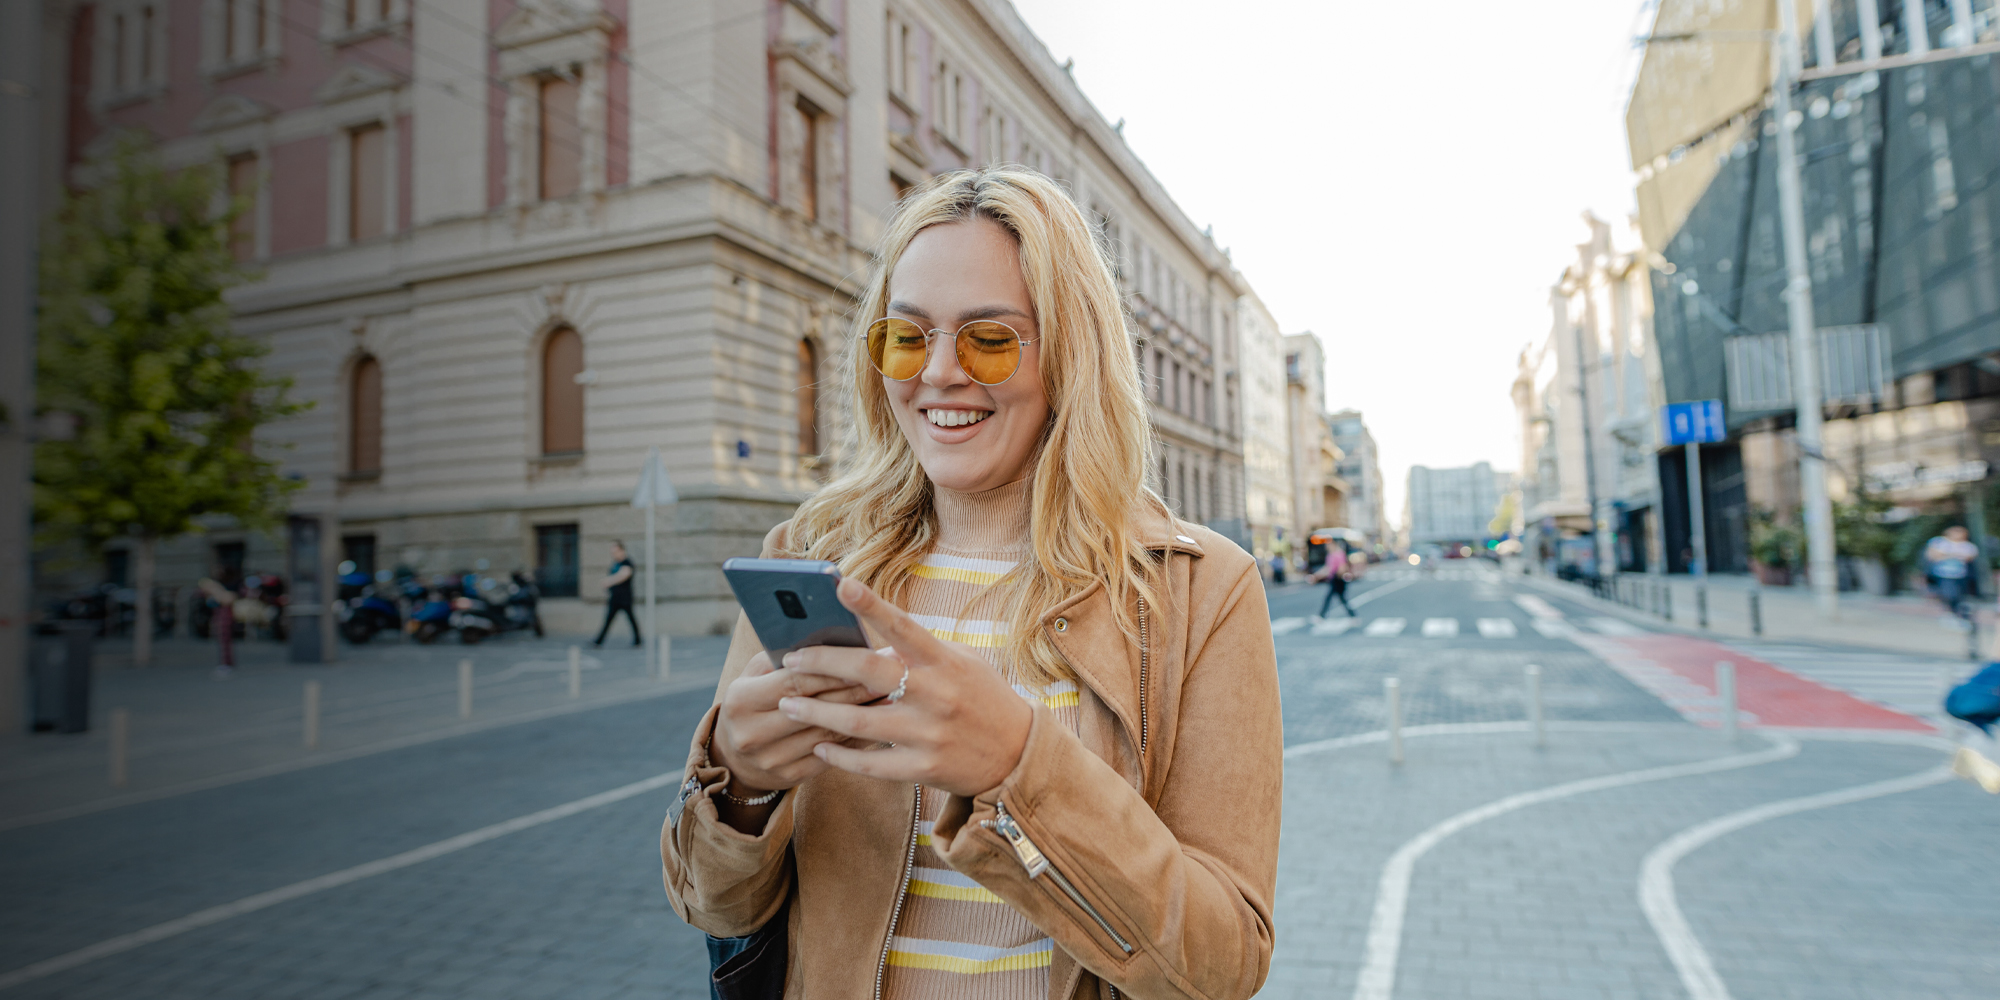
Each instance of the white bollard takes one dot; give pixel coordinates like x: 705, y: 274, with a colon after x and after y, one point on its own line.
x: 121, y: 745
x: 1725, y: 696
x: 1392, y: 690
x: 1535, y: 704
x: 311, y: 736
x: 575, y: 672
x: 666, y: 656
x: 465, y: 689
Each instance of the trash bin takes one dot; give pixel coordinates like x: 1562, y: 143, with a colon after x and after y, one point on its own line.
x: 63, y: 652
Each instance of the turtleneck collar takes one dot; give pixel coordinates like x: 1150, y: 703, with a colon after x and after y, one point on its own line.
x: 994, y: 520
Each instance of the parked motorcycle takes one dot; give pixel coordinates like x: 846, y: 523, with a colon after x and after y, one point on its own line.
x: 363, y: 612
x: 432, y: 617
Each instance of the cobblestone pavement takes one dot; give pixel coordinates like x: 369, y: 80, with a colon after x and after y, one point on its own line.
x: 426, y: 862
x: 1891, y: 896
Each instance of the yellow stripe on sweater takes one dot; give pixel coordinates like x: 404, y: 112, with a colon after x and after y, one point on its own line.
x: 980, y: 577
x: 952, y: 963
x: 977, y: 640
x: 962, y: 893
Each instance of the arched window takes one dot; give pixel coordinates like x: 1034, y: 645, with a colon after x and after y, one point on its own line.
x: 562, y: 396
x: 808, y: 394
x: 364, y: 427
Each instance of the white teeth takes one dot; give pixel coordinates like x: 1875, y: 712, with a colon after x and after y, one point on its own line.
x: 955, y: 418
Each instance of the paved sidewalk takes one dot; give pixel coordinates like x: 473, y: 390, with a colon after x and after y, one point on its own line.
x: 191, y: 730
x: 1891, y: 896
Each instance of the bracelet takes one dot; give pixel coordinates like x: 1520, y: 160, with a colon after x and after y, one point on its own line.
x: 756, y: 800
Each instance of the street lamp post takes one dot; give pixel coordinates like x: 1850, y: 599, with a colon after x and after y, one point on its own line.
x: 1806, y: 395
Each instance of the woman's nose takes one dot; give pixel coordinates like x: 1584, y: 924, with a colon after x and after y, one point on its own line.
x: 941, y: 368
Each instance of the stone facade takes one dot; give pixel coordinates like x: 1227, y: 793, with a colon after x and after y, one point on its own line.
x: 509, y: 246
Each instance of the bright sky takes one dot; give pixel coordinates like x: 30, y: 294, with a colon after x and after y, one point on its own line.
x: 1405, y: 180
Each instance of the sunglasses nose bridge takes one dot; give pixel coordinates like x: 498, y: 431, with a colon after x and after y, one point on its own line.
x: 941, y: 367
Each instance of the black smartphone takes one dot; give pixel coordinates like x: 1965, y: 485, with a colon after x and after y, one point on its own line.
x: 792, y: 603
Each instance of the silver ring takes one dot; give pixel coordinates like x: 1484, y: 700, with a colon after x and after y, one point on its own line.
x: 902, y: 687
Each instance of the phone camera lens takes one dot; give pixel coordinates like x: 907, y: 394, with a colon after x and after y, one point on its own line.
x: 789, y: 603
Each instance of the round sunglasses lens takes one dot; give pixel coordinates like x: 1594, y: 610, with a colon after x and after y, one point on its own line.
x: 989, y: 352
x: 896, y: 348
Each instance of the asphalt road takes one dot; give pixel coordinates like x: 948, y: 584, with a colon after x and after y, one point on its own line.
x: 569, y: 905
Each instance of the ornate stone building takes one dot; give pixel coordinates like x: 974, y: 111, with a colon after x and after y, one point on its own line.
x: 509, y: 246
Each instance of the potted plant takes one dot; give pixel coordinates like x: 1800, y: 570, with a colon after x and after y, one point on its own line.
x: 1860, y: 536
x: 1775, y: 548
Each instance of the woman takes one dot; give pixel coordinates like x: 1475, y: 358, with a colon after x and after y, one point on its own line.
x: 1059, y: 774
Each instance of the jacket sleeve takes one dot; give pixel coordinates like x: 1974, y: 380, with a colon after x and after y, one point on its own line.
x: 1189, y: 884
x: 721, y: 880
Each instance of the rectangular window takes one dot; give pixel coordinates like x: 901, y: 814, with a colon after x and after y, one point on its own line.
x: 245, y: 35
x: 243, y: 198
x: 229, y: 563
x: 900, y: 52
x: 556, y: 559
x: 561, y: 138
x: 949, y: 115
x: 362, y: 13
x: 809, y: 142
x: 367, y: 182
x: 360, y: 550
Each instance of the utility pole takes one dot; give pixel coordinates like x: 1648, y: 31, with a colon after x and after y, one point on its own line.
x: 1589, y: 451
x: 1806, y: 393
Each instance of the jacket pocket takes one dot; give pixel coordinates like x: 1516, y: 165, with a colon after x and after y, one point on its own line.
x: 1037, y: 864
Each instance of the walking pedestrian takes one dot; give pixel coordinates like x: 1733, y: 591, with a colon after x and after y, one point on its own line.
x: 1949, y: 559
x: 1334, y: 572
x: 1082, y: 693
x: 221, y: 625
x: 618, y: 594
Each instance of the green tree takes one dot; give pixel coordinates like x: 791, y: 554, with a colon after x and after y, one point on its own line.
x: 1858, y: 530
x: 135, y: 345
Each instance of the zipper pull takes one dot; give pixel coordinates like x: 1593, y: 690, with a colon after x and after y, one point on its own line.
x: 1031, y: 857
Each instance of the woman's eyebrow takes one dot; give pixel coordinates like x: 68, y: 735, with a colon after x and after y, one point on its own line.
x: 982, y: 312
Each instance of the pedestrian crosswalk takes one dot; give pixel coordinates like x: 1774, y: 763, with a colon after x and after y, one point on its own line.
x: 1553, y: 626
x: 1913, y: 685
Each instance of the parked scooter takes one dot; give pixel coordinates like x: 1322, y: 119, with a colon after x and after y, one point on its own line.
x: 362, y: 611
x: 524, y: 601
x: 432, y: 617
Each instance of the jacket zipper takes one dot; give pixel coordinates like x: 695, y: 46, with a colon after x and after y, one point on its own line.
x: 902, y: 890
x: 1142, y: 678
x: 1037, y: 864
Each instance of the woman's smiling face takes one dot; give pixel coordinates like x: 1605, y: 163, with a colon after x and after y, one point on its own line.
x: 968, y: 437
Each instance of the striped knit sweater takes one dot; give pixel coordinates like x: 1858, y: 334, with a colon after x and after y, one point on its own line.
x: 954, y: 940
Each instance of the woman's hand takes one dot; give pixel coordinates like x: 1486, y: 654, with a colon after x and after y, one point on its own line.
x: 959, y: 725
x: 762, y: 748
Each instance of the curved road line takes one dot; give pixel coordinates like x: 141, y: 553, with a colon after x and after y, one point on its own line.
x: 1392, y: 894
x: 285, y: 894
x: 1656, y: 873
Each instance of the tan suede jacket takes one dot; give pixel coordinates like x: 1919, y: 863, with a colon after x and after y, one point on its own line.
x: 1146, y: 844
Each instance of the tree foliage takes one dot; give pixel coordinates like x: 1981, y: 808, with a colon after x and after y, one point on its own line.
x: 135, y: 345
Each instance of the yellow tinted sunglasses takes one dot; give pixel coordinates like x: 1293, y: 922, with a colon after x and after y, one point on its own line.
x: 988, y: 351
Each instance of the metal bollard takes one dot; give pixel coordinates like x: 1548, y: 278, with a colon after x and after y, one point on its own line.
x: 1667, y: 603
x: 575, y: 672
x: 1392, y: 690
x: 1725, y: 696
x: 1534, y: 673
x: 311, y: 736
x: 121, y: 745
x: 1701, y: 605
x: 1972, y: 638
x: 1756, y: 614
x: 465, y: 689
x: 666, y: 656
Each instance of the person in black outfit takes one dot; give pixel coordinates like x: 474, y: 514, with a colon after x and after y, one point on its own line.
x: 618, y: 587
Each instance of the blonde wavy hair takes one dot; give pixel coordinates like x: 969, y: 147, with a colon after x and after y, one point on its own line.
x: 877, y: 518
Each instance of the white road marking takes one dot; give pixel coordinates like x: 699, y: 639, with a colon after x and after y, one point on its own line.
x: 1537, y: 607
x: 1656, y: 873
x: 1440, y: 628
x: 1384, y: 628
x: 1553, y: 628
x: 1334, y: 626
x: 1392, y: 893
x: 285, y: 894
x: 1497, y: 628
x: 1613, y: 626
x: 1286, y: 626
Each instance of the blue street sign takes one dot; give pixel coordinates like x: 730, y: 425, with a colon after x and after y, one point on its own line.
x: 1699, y: 422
